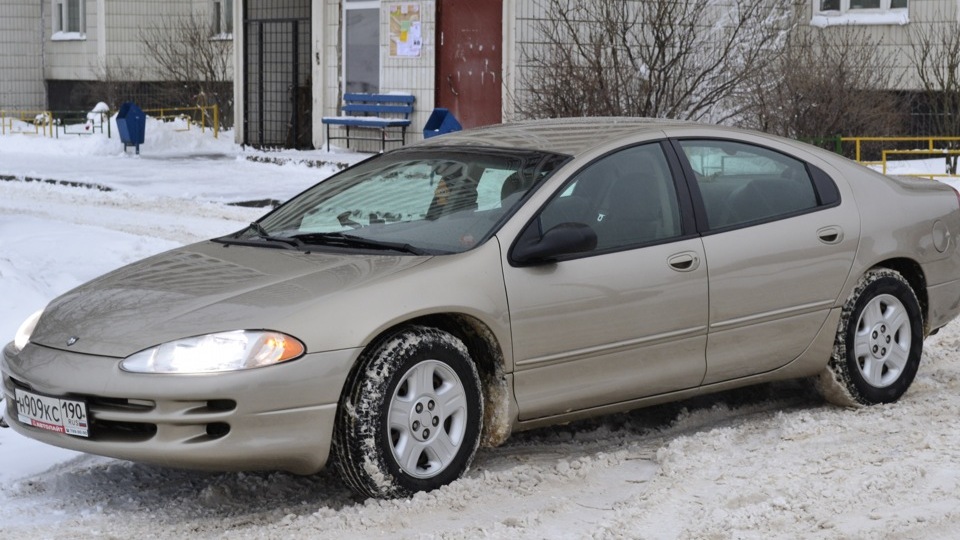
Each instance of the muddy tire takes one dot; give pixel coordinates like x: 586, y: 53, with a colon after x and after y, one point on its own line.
x: 411, y: 415
x: 878, y: 345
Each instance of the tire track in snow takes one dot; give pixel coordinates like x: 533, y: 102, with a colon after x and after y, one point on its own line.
x: 178, y: 220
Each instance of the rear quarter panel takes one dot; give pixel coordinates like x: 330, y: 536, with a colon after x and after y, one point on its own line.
x: 909, y: 218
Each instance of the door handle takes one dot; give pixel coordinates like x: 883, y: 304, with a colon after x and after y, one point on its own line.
x: 830, y: 235
x: 687, y: 261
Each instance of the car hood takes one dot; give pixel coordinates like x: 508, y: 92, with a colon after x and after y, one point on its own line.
x: 200, y: 289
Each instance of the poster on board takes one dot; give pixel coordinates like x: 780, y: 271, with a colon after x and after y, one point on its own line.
x: 406, y: 36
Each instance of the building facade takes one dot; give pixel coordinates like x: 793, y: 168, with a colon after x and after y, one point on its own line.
x: 294, y: 59
x: 460, y: 55
x: 21, y: 56
x: 53, y: 52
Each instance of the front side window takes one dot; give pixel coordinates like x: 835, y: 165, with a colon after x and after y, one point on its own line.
x: 420, y: 201
x: 628, y: 198
x: 361, y: 50
x: 741, y: 183
x: 69, y: 19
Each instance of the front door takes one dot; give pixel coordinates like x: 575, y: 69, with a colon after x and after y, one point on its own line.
x: 469, y: 60
x: 624, y: 321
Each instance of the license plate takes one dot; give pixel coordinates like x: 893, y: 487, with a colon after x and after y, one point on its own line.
x: 60, y: 415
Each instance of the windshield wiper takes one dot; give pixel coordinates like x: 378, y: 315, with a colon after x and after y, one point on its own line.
x: 347, y: 240
x: 262, y: 234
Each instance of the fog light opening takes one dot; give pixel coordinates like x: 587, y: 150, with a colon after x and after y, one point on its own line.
x: 218, y: 429
x: 221, y: 404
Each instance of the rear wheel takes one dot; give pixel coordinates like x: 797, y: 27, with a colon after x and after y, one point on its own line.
x: 878, y: 345
x: 411, y: 417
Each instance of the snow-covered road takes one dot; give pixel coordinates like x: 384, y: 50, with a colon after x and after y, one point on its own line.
x: 772, y: 461
x: 768, y: 462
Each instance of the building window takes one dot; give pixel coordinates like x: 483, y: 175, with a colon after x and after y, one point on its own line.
x: 222, y: 24
x: 853, y: 5
x: 361, y: 46
x: 859, y: 12
x: 69, y: 19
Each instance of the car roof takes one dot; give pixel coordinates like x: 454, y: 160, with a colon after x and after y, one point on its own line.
x: 570, y: 136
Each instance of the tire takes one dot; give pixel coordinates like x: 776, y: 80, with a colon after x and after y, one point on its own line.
x: 411, y: 415
x: 878, y: 345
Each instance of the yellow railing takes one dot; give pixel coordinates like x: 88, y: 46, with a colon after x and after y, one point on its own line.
x: 930, y: 142
x: 929, y: 152
x: 203, y: 116
x: 931, y: 149
x: 42, y: 121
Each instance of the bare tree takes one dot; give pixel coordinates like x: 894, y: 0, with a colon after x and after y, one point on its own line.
x: 828, y: 82
x: 681, y: 59
x: 183, y: 51
x: 936, y: 60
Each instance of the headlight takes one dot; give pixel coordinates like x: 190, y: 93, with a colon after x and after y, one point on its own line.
x: 22, y: 337
x: 224, y: 351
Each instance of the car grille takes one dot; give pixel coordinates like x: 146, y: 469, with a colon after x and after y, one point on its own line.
x: 130, y: 420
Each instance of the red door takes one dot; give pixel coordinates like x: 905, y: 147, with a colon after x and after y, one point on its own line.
x: 470, y: 59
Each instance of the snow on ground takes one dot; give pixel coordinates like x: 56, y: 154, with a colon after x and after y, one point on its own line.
x: 772, y: 461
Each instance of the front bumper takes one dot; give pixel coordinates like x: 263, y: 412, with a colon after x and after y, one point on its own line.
x: 277, y: 417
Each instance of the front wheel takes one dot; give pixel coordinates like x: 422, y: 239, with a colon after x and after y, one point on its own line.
x: 411, y: 416
x: 878, y: 345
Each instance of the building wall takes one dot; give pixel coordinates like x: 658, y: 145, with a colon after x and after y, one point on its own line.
x: 126, y: 21
x: 525, y: 31
x: 71, y: 59
x: 411, y: 75
x: 521, y: 19
x: 113, y: 38
x: 21, y: 56
x: 895, y: 39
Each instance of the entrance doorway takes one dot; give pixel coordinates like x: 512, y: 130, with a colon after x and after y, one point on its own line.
x: 277, y: 100
x: 470, y: 60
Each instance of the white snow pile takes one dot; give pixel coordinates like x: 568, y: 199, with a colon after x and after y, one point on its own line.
x: 772, y: 461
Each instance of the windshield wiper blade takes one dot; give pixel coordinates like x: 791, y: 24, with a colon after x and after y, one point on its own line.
x: 347, y: 240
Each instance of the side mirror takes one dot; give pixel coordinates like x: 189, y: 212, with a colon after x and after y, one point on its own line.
x: 563, y: 239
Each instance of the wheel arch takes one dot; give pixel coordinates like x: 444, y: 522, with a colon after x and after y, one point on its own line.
x: 913, y: 273
x: 487, y: 355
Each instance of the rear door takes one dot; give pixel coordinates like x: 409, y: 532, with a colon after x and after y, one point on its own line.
x: 780, y: 240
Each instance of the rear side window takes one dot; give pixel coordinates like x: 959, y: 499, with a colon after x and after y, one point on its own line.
x: 742, y: 183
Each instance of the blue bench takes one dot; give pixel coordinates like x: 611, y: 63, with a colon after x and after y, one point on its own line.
x: 370, y: 111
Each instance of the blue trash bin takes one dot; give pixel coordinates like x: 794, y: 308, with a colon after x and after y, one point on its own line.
x: 131, y: 123
x: 441, y: 121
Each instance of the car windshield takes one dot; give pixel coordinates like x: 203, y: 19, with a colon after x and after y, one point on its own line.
x: 419, y: 201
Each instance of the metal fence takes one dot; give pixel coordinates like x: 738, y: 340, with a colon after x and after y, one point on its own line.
x: 276, y: 67
x: 57, y: 123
